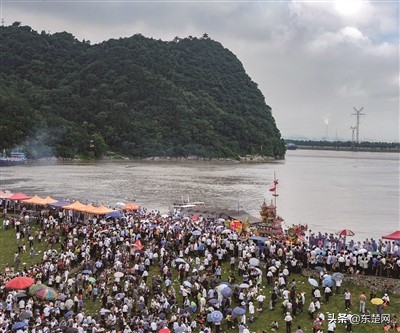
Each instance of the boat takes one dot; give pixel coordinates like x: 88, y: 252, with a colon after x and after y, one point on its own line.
x: 179, y: 205
x: 15, y: 158
x: 291, y: 146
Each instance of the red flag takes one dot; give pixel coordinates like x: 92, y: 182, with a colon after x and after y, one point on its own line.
x: 273, y: 189
x: 276, y: 182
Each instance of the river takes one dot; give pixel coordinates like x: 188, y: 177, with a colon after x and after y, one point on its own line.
x: 328, y: 190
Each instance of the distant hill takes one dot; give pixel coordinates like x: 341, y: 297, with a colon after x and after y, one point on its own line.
x: 135, y: 96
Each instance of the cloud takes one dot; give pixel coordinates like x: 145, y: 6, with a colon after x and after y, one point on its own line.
x: 309, y: 58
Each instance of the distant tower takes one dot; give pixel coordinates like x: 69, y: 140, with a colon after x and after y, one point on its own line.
x: 353, y: 128
x: 358, y: 114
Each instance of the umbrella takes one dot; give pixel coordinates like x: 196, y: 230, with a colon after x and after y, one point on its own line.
x: 238, y: 311
x: 213, y: 301
x: 337, y: 276
x: 35, y: 287
x: 18, y: 325
x: 164, y: 330
x: 321, y: 251
x: 362, y: 251
x: 19, y: 283
x: 244, y: 285
x: 71, y: 330
x: 47, y: 293
x: 118, y: 274
x: 120, y: 295
x: 216, y: 316
x: 254, y: 262
x: 69, y: 314
x: 25, y: 315
x: 187, y: 284
x: 345, y: 232
x: 377, y: 301
x: 69, y: 303
x: 180, y: 260
x: 22, y: 294
x: 87, y: 271
x: 196, y: 233
x: 328, y: 281
x: 313, y: 282
x: 227, y: 292
x: 318, y: 268
x: 226, y: 231
x: 92, y: 279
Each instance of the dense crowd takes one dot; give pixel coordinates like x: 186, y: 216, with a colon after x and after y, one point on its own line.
x: 146, y: 272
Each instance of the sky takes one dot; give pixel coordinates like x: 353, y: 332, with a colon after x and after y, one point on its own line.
x: 316, y: 62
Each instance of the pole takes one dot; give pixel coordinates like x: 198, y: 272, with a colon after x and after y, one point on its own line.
x: 358, y: 114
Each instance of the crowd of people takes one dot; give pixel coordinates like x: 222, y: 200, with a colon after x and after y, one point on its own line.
x: 147, y: 272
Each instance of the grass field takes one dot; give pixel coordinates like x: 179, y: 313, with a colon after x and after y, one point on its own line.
x: 8, y: 246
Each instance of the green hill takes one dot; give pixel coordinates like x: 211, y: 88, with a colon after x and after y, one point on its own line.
x: 136, y: 96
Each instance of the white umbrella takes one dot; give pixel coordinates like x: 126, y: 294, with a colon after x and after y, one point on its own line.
x: 69, y: 303
x: 118, y: 274
x: 254, y: 262
x: 244, y: 285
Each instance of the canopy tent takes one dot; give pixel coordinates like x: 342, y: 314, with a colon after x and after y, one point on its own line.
x: 393, y: 236
x: 19, y: 196
x: 101, y: 210
x: 89, y: 208
x: 77, y: 206
x: 131, y: 206
x: 47, y: 201
x: 60, y: 203
x: 35, y: 200
x: 5, y: 194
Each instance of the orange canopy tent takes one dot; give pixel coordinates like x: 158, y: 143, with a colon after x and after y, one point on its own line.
x: 101, y: 210
x: 35, y: 200
x: 131, y: 206
x: 89, y: 208
x: 48, y: 200
x: 78, y: 206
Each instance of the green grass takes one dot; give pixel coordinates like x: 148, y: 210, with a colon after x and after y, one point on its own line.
x: 336, y: 304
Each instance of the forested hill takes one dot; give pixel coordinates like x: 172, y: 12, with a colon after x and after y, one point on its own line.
x: 136, y: 96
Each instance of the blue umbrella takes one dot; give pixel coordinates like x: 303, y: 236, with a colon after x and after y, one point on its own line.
x: 69, y: 314
x: 318, y: 268
x: 258, y: 238
x: 216, y: 316
x: 87, y: 271
x: 196, y: 233
x: 238, y: 311
x: 213, y: 301
x: 321, y: 251
x: 19, y: 324
x: 328, y: 281
x: 313, y: 282
x: 227, y: 292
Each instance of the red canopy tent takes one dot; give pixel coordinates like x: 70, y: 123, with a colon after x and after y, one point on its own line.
x: 19, y: 196
x: 393, y: 236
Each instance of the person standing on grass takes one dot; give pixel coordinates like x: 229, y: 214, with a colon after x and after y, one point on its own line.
x: 347, y: 299
x: 362, y: 300
x: 288, y: 322
x: 299, y: 330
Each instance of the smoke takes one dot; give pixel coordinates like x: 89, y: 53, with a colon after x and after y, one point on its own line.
x: 326, y: 119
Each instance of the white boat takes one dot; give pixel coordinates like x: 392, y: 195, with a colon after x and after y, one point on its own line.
x: 182, y: 204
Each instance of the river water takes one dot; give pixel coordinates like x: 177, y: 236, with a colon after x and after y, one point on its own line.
x: 328, y: 190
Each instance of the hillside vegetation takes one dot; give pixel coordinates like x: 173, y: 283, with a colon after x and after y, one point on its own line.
x: 135, y: 96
